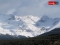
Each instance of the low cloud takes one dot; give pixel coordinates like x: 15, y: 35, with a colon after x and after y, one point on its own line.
x: 11, y: 11
x: 30, y: 7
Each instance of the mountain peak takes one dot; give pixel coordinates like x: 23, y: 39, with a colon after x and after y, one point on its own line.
x: 44, y: 18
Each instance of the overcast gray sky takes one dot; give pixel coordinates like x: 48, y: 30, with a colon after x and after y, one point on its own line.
x: 29, y: 7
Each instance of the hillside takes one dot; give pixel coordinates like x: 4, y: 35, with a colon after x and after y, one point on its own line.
x: 52, y: 32
x: 52, y: 39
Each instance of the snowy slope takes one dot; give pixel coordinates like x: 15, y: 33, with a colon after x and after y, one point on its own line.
x: 47, y: 23
x: 15, y: 25
x: 28, y: 26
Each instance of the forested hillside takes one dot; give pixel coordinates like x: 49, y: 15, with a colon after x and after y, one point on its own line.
x: 53, y: 39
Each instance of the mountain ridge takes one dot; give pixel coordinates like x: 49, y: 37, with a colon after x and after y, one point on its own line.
x: 27, y: 25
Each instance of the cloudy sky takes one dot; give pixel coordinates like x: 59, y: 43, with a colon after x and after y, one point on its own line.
x: 29, y: 7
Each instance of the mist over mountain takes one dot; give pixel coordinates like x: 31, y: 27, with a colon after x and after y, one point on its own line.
x: 28, y: 26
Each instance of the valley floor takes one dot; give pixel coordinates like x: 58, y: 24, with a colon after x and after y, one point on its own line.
x: 39, y: 40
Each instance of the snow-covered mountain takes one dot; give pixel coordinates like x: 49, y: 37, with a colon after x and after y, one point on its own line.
x: 28, y: 26
x: 48, y: 23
